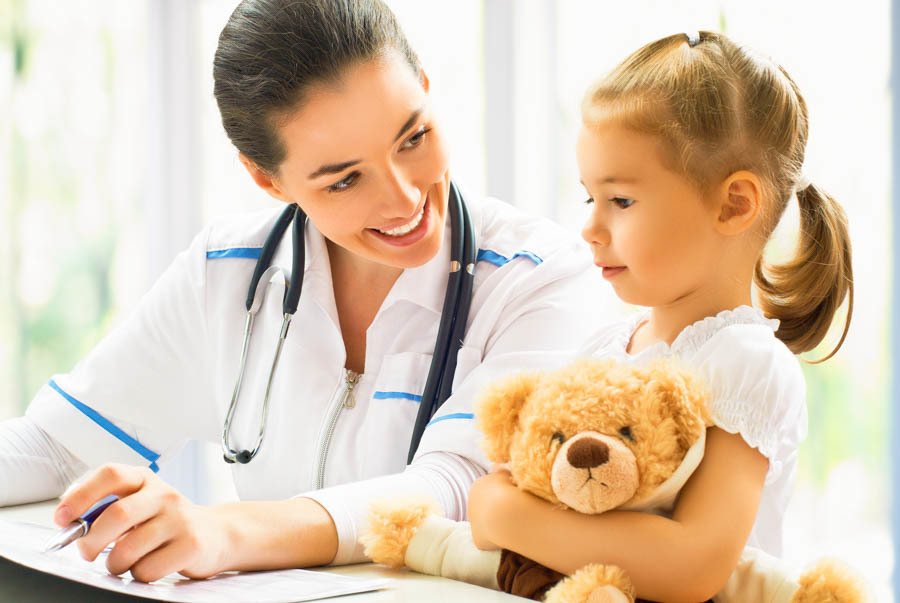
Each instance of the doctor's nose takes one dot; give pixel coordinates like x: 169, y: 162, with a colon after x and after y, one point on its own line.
x: 402, y: 196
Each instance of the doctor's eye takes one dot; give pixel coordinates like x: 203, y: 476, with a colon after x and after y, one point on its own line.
x: 622, y: 202
x: 416, y: 139
x: 625, y: 432
x: 589, y: 200
x: 558, y: 437
x: 344, y: 184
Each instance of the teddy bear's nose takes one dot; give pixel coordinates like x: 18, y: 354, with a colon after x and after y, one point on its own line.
x: 587, y: 453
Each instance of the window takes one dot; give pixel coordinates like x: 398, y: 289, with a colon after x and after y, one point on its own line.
x: 72, y: 245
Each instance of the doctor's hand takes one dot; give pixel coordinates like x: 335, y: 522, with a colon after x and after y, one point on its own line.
x: 153, y: 529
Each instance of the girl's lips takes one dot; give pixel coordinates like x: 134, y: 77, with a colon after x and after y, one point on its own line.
x: 611, y: 271
x: 412, y: 236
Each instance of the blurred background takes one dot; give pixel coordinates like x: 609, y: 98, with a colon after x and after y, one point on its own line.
x: 112, y: 157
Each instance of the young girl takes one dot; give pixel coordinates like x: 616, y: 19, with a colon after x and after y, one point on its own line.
x: 690, y: 151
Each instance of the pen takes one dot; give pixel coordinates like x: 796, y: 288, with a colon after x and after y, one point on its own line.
x: 80, y: 526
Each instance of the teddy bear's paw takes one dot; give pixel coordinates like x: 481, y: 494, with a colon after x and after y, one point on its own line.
x: 831, y: 581
x: 608, y: 594
x: 593, y: 583
x: 391, y: 524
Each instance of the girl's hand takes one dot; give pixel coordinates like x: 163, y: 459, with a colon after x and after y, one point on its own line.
x: 489, y: 500
x: 153, y: 529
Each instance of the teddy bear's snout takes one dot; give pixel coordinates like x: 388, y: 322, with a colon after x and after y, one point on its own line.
x: 593, y: 472
x: 588, y: 453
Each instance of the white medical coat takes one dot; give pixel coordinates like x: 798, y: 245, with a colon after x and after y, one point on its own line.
x: 166, y: 373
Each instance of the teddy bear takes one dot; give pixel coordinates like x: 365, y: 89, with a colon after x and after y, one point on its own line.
x: 592, y: 436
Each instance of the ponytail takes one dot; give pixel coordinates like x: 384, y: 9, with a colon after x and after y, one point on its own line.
x: 805, y: 293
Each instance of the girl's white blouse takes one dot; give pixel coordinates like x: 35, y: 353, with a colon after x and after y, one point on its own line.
x: 757, y: 390
x: 165, y: 374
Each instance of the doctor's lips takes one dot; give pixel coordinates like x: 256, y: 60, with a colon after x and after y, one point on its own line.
x: 409, y: 232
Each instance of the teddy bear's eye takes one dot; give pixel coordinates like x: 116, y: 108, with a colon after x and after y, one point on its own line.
x: 558, y: 437
x: 625, y: 432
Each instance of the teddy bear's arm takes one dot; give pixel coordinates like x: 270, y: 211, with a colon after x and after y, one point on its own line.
x: 762, y: 577
x: 442, y: 547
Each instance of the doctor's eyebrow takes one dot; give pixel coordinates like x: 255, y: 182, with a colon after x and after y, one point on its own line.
x: 333, y: 168
x: 336, y: 168
x: 409, y: 123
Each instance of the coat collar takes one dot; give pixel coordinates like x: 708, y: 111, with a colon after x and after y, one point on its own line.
x: 423, y: 285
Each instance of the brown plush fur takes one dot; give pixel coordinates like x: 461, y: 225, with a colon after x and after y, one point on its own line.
x: 831, y: 581
x: 392, y: 523
x: 664, y: 409
x: 586, y: 580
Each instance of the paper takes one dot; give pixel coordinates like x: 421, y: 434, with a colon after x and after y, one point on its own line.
x: 22, y: 543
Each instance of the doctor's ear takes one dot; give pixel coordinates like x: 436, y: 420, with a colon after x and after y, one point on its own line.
x: 263, y: 179
x: 739, y: 199
x: 423, y: 78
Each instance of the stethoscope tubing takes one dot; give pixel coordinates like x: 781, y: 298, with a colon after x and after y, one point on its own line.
x: 262, y: 272
x: 454, y: 316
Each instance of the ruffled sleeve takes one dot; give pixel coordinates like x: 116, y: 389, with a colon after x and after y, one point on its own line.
x: 758, y: 390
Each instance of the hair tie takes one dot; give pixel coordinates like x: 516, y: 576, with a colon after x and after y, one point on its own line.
x: 802, y: 183
x: 693, y: 38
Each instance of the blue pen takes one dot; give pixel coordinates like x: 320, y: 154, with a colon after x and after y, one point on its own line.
x: 80, y: 526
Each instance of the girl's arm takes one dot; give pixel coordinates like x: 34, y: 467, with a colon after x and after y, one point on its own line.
x: 686, y: 558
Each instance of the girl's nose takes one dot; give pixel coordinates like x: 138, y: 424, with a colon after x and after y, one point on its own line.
x: 595, y: 231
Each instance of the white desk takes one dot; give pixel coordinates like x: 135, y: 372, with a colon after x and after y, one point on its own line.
x: 22, y: 584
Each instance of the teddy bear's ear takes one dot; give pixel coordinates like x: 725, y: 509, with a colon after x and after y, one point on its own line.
x: 497, y: 412
x: 684, y: 396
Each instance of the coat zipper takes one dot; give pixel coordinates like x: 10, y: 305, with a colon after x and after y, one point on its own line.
x: 346, y: 401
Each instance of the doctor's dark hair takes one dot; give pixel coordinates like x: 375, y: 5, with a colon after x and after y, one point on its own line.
x: 271, y: 52
x: 717, y: 108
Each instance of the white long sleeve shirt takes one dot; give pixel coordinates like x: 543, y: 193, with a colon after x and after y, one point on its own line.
x: 166, y: 374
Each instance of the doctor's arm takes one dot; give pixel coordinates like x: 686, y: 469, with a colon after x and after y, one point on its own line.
x: 686, y: 558
x: 33, y: 466
x: 157, y: 531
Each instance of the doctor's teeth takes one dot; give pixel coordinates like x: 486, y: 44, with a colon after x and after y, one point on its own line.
x: 406, y: 228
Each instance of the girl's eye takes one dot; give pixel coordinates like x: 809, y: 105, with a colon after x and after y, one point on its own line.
x: 558, y: 437
x: 416, y: 139
x: 622, y: 202
x: 344, y: 184
x: 625, y: 432
x: 589, y: 200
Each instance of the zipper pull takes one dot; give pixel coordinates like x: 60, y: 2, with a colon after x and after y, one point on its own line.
x: 352, y: 378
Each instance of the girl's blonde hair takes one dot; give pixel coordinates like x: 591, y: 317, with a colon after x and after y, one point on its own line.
x: 718, y: 108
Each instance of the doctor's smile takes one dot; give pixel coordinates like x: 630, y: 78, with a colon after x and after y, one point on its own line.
x: 408, y: 232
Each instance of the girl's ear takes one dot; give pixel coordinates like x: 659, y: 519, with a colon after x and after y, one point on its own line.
x: 739, y: 201
x: 263, y: 179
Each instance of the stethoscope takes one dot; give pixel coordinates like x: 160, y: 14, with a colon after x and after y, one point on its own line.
x: 454, y: 315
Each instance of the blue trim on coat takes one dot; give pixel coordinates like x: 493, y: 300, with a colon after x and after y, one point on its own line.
x: 250, y: 253
x: 499, y: 260
x: 455, y: 415
x: 391, y: 395
x: 106, y: 424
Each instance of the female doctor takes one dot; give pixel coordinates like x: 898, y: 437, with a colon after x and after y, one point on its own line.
x: 329, y: 110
